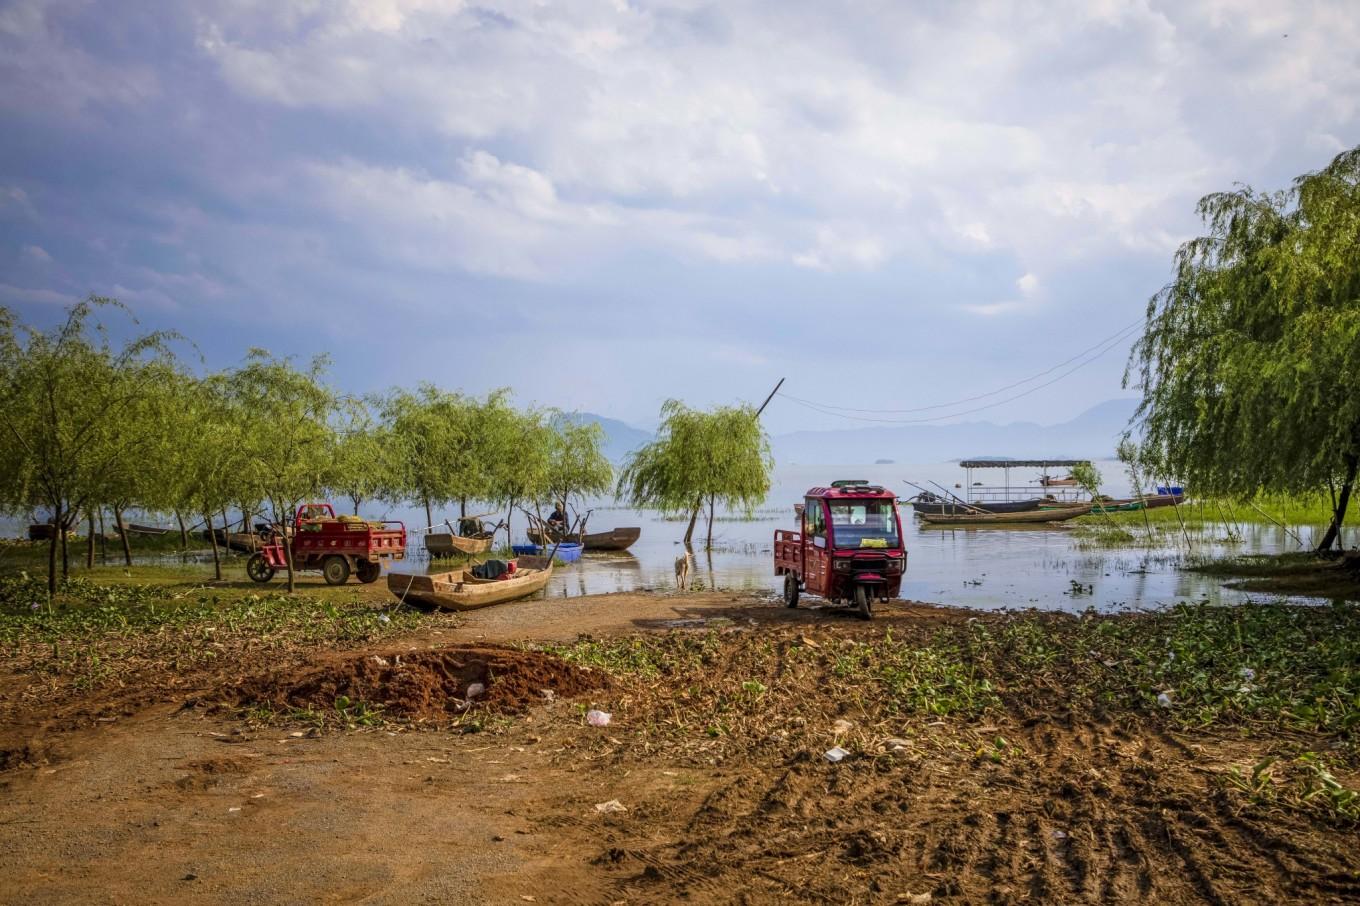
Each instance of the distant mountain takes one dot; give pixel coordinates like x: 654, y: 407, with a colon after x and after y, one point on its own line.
x: 620, y: 437
x: 1091, y: 435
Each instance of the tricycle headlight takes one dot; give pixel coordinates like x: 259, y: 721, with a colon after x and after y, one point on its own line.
x: 843, y: 566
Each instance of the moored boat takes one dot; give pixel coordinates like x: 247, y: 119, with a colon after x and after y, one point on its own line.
x: 938, y: 506
x: 1033, y: 516
x: 461, y: 590
x: 566, y: 551
x: 446, y: 544
x: 618, y: 539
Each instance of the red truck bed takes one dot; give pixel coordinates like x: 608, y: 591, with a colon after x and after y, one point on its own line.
x: 788, y: 552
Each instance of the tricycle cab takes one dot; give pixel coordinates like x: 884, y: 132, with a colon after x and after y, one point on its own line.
x: 850, y: 547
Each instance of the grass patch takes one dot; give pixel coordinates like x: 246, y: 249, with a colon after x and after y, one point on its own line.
x: 1299, y: 574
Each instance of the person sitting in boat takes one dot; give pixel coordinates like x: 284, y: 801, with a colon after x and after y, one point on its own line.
x: 558, y: 519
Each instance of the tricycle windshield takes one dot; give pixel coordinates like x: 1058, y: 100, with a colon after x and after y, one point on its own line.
x: 863, y: 523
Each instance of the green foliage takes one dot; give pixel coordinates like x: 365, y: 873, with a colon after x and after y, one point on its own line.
x: 77, y: 414
x: 1249, y: 356
x: 720, y: 456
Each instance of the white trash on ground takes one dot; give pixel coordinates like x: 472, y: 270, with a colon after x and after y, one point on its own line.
x: 834, y: 755
x: 598, y: 718
x: 610, y: 807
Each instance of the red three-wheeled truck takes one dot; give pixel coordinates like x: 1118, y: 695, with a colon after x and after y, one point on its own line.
x: 850, y: 549
x: 335, y: 545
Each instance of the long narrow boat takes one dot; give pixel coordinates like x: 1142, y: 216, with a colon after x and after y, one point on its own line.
x: 1009, y: 518
x: 246, y: 542
x: 460, y: 590
x: 938, y: 507
x: 1154, y: 501
x: 133, y: 528
x: 446, y: 544
x: 618, y: 539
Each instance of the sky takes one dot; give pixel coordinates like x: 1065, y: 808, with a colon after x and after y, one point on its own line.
x: 606, y: 204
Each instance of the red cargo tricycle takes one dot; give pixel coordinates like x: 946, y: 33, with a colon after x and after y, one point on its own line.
x: 336, y: 546
x: 850, y: 549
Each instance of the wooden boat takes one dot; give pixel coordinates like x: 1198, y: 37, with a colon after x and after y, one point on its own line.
x: 133, y: 528
x: 43, y: 531
x: 1068, y: 482
x: 618, y: 539
x: 446, y: 544
x: 566, y: 551
x: 938, y: 507
x: 246, y: 542
x: 1161, y: 500
x: 460, y: 590
x: 1032, y: 516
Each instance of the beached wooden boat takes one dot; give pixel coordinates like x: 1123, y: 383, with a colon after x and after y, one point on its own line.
x: 1160, y: 500
x: 618, y: 539
x: 445, y: 544
x: 1033, y: 516
x: 460, y: 590
x: 246, y: 542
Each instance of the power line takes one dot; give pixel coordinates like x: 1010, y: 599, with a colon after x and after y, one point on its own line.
x: 1101, y: 349
x: 971, y: 399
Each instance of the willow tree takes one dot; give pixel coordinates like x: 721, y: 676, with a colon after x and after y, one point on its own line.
x: 1250, y: 356
x: 700, y: 459
x: 364, y: 461
x: 576, y: 465
x: 67, y: 397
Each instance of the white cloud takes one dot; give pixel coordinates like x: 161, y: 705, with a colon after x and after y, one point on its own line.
x: 35, y: 253
x: 19, y: 295
x: 1028, y: 285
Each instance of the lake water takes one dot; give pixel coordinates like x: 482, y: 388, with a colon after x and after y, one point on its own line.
x: 984, y: 567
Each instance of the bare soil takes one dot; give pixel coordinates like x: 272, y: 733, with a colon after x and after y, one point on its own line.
x: 171, y: 793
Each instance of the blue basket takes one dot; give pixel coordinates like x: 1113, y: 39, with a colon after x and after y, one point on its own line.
x: 567, y: 551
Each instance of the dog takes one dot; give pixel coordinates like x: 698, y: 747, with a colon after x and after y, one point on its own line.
x: 682, y: 569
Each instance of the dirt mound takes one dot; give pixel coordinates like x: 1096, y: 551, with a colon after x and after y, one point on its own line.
x: 425, y: 685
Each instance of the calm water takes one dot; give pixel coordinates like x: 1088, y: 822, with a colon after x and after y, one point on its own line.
x: 989, y: 568
x: 984, y: 567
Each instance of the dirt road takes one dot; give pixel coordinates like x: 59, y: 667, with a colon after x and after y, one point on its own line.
x: 196, y: 804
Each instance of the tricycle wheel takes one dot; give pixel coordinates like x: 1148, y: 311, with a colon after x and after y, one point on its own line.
x: 790, y: 590
x: 368, y: 571
x: 258, y: 568
x: 862, y: 602
x: 335, y: 569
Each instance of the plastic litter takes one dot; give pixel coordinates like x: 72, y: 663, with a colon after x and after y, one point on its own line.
x: 475, y: 689
x: 610, y: 807
x: 835, y: 754
x: 598, y: 718
x: 1247, y: 674
x: 1164, y: 699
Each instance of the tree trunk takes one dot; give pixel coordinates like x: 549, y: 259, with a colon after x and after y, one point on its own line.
x: 122, y: 533
x: 1342, y: 502
x: 708, y: 545
x: 462, y: 508
x: 212, y: 537
x: 103, y: 539
x: 355, y: 501
x: 89, y: 541
x: 693, y: 517
x: 52, y: 555
x: 183, y: 532
x: 509, y: 538
x: 288, y: 556
x: 65, y: 552
x: 429, y: 516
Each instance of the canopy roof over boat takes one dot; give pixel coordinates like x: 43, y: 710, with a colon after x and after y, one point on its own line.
x: 1022, y: 463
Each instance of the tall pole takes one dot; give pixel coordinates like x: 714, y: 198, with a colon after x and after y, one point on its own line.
x: 770, y: 397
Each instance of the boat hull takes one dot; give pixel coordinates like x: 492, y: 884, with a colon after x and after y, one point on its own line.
x: 945, y: 507
x: 1035, y: 516
x: 619, y: 539
x: 443, y: 544
x: 460, y: 590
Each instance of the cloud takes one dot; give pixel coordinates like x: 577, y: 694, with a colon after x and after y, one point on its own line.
x: 1028, y: 285
x: 35, y: 253
x: 19, y: 295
